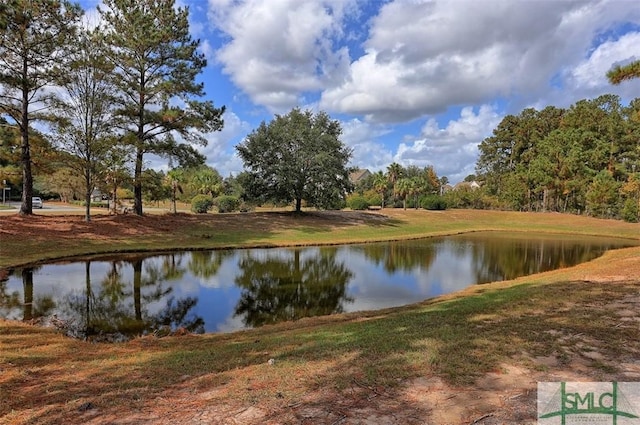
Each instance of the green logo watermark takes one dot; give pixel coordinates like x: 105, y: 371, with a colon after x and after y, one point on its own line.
x: 593, y: 403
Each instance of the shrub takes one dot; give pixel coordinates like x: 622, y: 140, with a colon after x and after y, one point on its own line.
x: 245, y: 207
x: 373, y: 198
x: 227, y: 203
x: 200, y: 204
x: 630, y: 211
x: 357, y: 202
x: 434, y: 202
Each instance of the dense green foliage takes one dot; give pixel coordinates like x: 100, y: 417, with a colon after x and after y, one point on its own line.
x: 227, y: 203
x: 400, y: 186
x: 201, y: 204
x: 433, y: 202
x: 567, y: 160
x: 298, y: 156
x: 357, y: 202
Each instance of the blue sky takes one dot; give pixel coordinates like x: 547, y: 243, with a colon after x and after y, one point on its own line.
x: 412, y: 81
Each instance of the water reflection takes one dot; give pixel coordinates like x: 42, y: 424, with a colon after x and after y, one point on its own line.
x: 276, y: 288
x: 117, y: 306
x: 213, y: 291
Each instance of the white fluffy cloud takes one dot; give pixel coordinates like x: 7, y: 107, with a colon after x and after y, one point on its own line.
x: 367, y: 151
x: 451, y: 150
x: 280, y: 49
x: 378, y: 64
x: 220, y: 149
x: 420, y: 57
x: 589, y: 75
x: 425, y: 56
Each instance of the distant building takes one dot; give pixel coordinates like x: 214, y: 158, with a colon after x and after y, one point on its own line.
x: 359, y: 175
x: 446, y: 188
x: 97, y: 196
x: 472, y: 185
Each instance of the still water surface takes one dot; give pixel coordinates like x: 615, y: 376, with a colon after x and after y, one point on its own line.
x: 222, y: 291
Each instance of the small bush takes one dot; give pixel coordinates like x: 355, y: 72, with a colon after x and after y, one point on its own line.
x: 245, y: 207
x: 201, y: 204
x: 373, y: 198
x: 227, y: 203
x: 434, y: 203
x: 630, y: 211
x: 357, y: 202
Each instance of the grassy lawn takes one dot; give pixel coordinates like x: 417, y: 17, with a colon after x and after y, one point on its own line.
x: 44, y: 236
x: 588, y: 312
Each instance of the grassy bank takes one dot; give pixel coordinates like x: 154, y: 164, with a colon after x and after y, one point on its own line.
x: 585, y: 316
x: 32, y: 239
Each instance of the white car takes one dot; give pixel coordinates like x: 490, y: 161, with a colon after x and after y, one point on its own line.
x: 36, y: 202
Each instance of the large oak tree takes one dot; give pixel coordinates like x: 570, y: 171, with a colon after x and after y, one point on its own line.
x: 156, y: 63
x: 298, y: 156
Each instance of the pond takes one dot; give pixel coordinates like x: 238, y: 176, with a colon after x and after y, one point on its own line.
x: 228, y: 290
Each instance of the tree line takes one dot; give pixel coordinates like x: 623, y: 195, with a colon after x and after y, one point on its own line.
x: 113, y: 94
x: 582, y: 159
x: 110, y: 95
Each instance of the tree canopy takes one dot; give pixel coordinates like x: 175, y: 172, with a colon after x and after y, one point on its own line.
x: 296, y: 157
x: 566, y: 160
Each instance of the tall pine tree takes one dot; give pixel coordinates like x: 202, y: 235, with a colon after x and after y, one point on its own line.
x: 35, y: 39
x: 155, y: 65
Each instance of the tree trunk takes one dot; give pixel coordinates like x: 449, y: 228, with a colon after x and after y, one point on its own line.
x: 27, y: 285
x: 137, y: 184
x: 114, y: 197
x: 27, y: 177
x: 87, y: 196
x: 137, y: 292
x: 174, y: 187
x: 298, y: 204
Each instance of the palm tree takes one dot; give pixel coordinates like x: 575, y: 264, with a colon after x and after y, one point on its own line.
x: 380, y: 185
x: 207, y: 181
x: 403, y: 188
x: 174, y: 178
x: 394, y: 172
x: 417, y: 187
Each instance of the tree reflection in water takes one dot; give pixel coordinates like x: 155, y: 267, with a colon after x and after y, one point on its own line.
x: 276, y: 289
x: 136, y: 293
x: 118, y: 307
